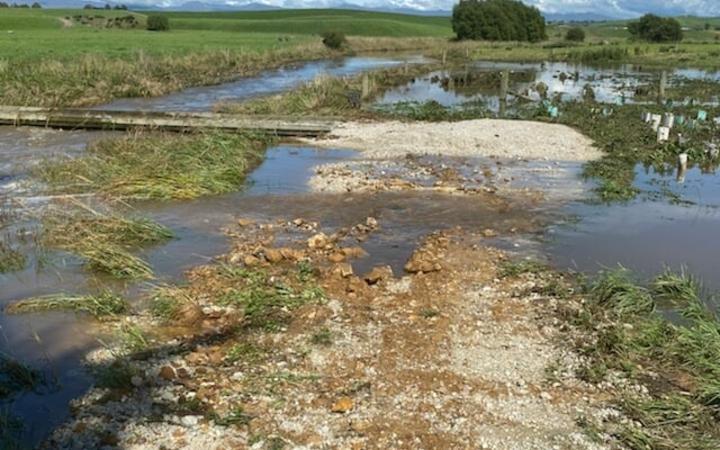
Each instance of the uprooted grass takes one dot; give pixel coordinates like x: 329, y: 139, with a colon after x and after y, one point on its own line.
x: 677, y: 362
x: 105, y: 304
x: 157, y: 166
x: 105, y: 242
x: 333, y: 96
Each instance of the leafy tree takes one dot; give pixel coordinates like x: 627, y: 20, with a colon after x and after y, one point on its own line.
x: 656, y: 29
x: 36, y: 5
x: 575, y: 34
x: 498, y: 20
x: 158, y: 23
x: 4, y: 5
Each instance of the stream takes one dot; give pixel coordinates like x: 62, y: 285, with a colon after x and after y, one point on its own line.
x: 643, y: 235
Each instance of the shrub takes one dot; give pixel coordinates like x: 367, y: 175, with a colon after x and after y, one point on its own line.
x: 575, y: 34
x: 334, y: 40
x: 158, y: 23
x: 656, y: 29
x: 498, y: 20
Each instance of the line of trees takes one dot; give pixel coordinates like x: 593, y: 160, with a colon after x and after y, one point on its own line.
x: 498, y: 20
x: 107, y: 6
x: 35, y: 5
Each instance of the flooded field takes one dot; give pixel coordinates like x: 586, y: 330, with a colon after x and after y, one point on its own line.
x: 643, y: 235
x: 480, y: 82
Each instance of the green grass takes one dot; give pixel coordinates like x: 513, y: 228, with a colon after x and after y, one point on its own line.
x: 678, y: 362
x: 102, y: 305
x: 16, y: 376
x: 157, y: 166
x: 11, y: 259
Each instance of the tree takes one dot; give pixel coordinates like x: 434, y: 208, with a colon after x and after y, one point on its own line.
x: 498, y: 20
x: 334, y: 39
x: 36, y: 5
x: 575, y: 34
x: 656, y: 29
x: 158, y: 23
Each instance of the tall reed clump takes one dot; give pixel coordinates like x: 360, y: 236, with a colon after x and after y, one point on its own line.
x: 157, y: 166
x: 678, y: 361
x: 105, y: 242
x: 11, y: 259
x: 329, y: 95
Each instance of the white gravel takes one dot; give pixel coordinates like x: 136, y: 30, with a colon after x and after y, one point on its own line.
x: 482, y: 137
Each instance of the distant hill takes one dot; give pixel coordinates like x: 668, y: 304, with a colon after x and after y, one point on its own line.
x: 578, y: 17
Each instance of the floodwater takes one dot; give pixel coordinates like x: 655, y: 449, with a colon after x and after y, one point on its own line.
x: 480, y: 82
x: 650, y: 233
x: 642, y: 235
x: 266, y: 83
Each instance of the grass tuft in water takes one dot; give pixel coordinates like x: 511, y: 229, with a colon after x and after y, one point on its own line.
x: 104, y: 241
x: 16, y: 376
x: 103, y: 305
x: 157, y: 166
x: 11, y: 259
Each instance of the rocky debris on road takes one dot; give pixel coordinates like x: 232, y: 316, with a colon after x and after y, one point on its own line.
x: 319, y: 357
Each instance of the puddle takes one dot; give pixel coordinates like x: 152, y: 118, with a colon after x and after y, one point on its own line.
x: 266, y: 83
x: 480, y: 82
x: 647, y: 234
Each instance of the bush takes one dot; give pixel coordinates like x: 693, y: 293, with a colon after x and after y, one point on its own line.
x: 334, y: 40
x: 575, y: 34
x: 498, y: 20
x: 158, y: 23
x: 656, y: 29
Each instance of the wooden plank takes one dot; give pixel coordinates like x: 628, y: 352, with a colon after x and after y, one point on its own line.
x: 173, y: 121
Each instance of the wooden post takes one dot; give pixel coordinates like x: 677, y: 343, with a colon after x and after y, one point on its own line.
x: 504, y: 87
x: 663, y: 87
x: 365, y: 86
x: 444, y: 57
x: 467, y: 52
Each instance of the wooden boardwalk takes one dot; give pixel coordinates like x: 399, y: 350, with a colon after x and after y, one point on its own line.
x: 70, y: 118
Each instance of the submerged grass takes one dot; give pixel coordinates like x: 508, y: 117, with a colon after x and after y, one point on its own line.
x: 104, y: 241
x: 102, y: 305
x: 678, y: 362
x: 16, y: 376
x: 157, y: 166
x: 11, y: 259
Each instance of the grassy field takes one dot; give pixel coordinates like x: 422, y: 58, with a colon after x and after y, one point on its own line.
x: 72, y: 58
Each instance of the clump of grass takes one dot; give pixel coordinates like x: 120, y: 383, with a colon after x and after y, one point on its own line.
x: 245, y: 352
x: 167, y: 303
x: 681, y: 411
x: 133, y: 338
x: 16, y: 376
x: 157, y: 166
x: 266, y: 301
x: 11, y: 259
x: 322, y: 337
x: 117, y: 375
x: 236, y: 416
x: 104, y: 241
x: 514, y: 268
x: 102, y: 305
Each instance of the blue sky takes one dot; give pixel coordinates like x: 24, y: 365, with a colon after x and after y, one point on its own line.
x: 612, y: 8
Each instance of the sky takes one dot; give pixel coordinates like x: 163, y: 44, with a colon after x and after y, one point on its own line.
x: 609, y: 8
